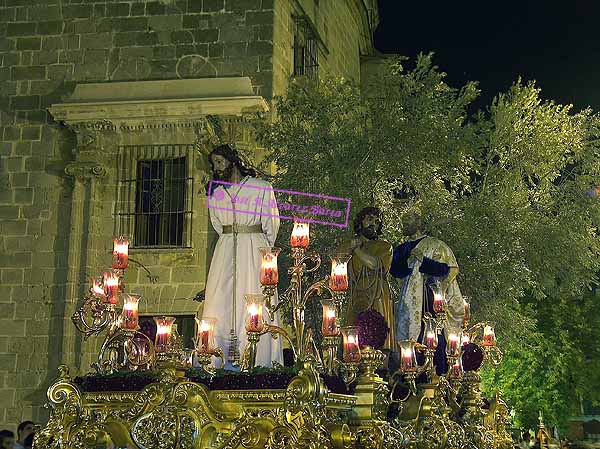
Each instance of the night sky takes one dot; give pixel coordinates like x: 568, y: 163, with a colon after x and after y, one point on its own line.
x: 555, y: 42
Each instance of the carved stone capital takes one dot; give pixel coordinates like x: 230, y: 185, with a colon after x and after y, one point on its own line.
x: 85, y: 171
x: 87, y: 132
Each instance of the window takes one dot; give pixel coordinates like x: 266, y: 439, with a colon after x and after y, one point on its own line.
x: 305, y: 49
x: 156, y: 193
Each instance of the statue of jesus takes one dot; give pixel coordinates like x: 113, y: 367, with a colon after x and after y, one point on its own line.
x: 245, y: 216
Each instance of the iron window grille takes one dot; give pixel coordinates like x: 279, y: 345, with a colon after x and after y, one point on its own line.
x: 305, y: 49
x: 156, y: 195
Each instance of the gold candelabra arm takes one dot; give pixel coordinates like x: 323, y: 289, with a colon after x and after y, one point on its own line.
x: 492, y: 354
x: 349, y: 371
x: 275, y: 331
x: 249, y: 356
x: 121, y: 350
x: 99, y: 312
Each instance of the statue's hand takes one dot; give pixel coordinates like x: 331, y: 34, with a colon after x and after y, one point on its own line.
x: 200, y: 296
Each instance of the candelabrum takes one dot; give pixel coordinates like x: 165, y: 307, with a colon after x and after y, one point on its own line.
x: 124, y: 346
x: 332, y: 288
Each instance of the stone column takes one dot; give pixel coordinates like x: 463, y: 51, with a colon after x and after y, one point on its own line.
x: 84, y: 173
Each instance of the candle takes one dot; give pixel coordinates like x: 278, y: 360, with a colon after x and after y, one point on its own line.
x: 489, y: 337
x: 467, y: 312
x: 456, y: 370
x: 407, y: 357
x: 300, y: 235
x: 120, y: 253
x: 269, y: 273
x: 453, y: 346
x: 431, y: 340
x: 254, y: 321
x: 329, y: 327
x: 130, y: 315
x: 351, y: 345
x: 431, y: 333
x: 466, y: 339
x: 111, y: 287
x: 351, y: 352
x: 164, y: 326
x: 204, y: 335
x: 338, y: 281
x: 97, y: 289
x: 438, y: 302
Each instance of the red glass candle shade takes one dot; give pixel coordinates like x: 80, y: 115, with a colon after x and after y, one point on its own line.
x: 164, y: 328
x: 205, y: 335
x: 351, y: 344
x: 489, y: 336
x: 467, y: 317
x: 130, y: 316
x: 456, y: 369
x: 453, y: 344
x: 408, y: 358
x: 300, y: 237
x: 254, y: 316
x: 338, y: 281
x: 431, y: 335
x: 269, y: 272
x: 120, y: 253
x: 111, y: 287
x: 329, y: 326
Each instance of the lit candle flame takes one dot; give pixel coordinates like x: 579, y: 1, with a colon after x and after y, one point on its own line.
x: 330, y: 313
x: 204, y: 326
x: 253, y: 309
x: 161, y: 329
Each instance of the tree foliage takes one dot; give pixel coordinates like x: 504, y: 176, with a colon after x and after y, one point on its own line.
x: 505, y: 188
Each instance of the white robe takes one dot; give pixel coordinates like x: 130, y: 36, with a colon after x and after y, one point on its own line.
x: 410, y: 315
x: 219, y: 285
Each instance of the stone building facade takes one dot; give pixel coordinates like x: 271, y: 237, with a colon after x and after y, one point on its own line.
x: 98, y: 97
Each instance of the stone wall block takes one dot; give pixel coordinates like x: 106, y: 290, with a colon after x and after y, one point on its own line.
x: 242, y: 5
x: 9, y: 327
x: 259, y: 18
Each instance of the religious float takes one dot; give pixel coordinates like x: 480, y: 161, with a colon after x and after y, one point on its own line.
x: 147, y: 394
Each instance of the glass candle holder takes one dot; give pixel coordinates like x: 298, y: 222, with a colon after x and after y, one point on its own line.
x: 164, y: 328
x: 254, y: 317
x: 456, y: 370
x: 351, y: 344
x: 97, y: 288
x: 120, y: 253
x: 489, y: 336
x: 269, y: 273
x: 439, y: 303
x: 453, y: 344
x: 431, y: 335
x: 467, y: 307
x: 408, y: 358
x: 329, y: 326
x: 111, y: 286
x: 300, y: 235
x: 130, y: 315
x: 205, y: 331
x: 465, y: 339
x: 338, y: 281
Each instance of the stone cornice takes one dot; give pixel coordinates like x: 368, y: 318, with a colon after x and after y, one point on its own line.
x: 141, y: 105
x: 132, y: 115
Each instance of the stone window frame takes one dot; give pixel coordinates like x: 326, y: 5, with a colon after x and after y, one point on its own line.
x: 127, y: 213
x: 305, y: 48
